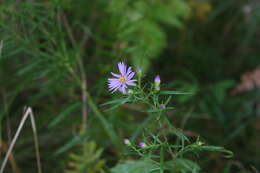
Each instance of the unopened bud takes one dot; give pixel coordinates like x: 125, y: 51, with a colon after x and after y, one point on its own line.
x: 142, y: 145
x: 130, y: 91
x: 162, y: 106
x: 127, y: 142
x: 139, y: 71
x: 157, y: 81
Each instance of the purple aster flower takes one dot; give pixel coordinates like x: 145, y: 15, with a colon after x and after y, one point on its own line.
x: 122, y: 80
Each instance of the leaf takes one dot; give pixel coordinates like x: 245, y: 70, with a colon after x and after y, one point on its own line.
x: 183, y: 165
x: 70, y: 144
x: 116, y: 101
x: 220, y: 89
x: 174, y: 93
x: 87, y: 160
x: 63, y: 114
x: 197, y: 147
x: 228, y: 153
x: 141, y: 166
x: 30, y: 67
x: 158, y: 110
x: 1, y: 47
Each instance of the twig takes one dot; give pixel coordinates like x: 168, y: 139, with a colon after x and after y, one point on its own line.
x: 1, y: 47
x: 83, y: 77
x: 254, y: 169
x: 27, y: 113
x: 106, y: 125
x: 84, y: 102
x: 69, y: 30
x: 14, y: 140
x: 11, y: 158
x: 35, y: 137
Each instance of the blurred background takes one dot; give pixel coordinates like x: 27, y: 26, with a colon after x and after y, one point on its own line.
x: 56, y: 55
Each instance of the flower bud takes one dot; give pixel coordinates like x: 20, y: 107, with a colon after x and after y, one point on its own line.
x: 139, y: 71
x: 162, y: 106
x: 130, y: 91
x: 142, y: 145
x: 127, y: 142
x: 200, y: 143
x: 157, y: 81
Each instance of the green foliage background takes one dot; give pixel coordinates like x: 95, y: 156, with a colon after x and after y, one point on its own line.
x: 55, y: 53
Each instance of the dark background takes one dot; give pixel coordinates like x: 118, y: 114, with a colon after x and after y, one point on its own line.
x: 207, y: 47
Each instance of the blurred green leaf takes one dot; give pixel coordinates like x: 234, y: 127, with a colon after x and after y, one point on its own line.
x: 70, y: 143
x: 183, y: 166
x: 141, y: 166
x: 174, y: 93
x: 69, y: 109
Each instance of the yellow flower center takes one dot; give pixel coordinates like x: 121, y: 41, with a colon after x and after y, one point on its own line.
x: 122, y: 79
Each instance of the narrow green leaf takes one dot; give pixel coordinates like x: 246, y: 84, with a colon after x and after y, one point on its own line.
x: 158, y: 110
x: 141, y: 166
x: 64, y: 113
x: 174, y: 93
x: 116, y: 101
x: 229, y: 153
x: 70, y: 144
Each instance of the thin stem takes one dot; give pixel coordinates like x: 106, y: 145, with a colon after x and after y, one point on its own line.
x: 107, y: 126
x: 13, y: 163
x: 142, y: 126
x: 35, y: 137
x: 83, y: 78
x: 27, y: 113
x: 141, y: 154
x: 14, y: 140
x: 161, y: 159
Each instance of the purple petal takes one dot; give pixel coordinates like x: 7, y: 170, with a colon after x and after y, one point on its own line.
x: 115, y: 75
x: 122, y: 89
x: 129, y: 70
x: 112, y: 79
x: 113, y: 85
x: 122, y: 68
x: 131, y: 75
x: 114, y: 82
x: 130, y: 83
x: 115, y: 89
x: 132, y: 80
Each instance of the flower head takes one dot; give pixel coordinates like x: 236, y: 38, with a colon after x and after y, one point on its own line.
x: 122, y: 80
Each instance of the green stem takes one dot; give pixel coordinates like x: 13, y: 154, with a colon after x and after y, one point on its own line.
x: 142, y: 126
x: 107, y: 126
x: 161, y: 159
